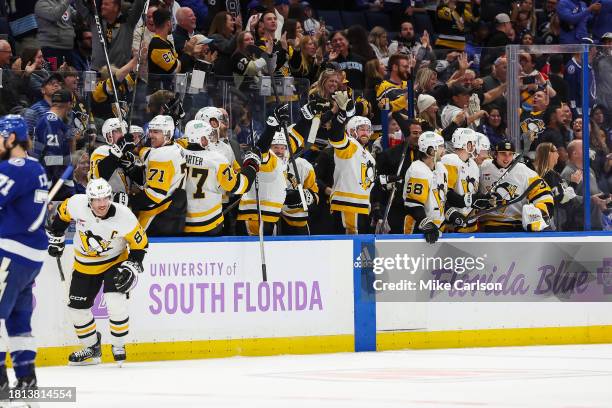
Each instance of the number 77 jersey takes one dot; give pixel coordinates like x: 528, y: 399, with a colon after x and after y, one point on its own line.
x: 23, y: 195
x: 209, y: 175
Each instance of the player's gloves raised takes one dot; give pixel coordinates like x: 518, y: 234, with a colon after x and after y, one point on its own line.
x: 280, y: 116
x: 125, y: 276
x: 252, y: 158
x: 123, y: 146
x: 314, y: 107
x: 56, y: 245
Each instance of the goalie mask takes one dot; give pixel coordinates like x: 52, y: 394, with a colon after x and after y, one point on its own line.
x: 196, y: 130
x: 111, y: 126
x: 464, y: 138
x: 163, y: 124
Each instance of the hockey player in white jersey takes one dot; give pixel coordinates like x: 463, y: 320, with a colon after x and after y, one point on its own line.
x: 107, y: 161
x: 354, y: 171
x: 463, y: 180
x: 209, y: 175
x: 215, y: 117
x: 162, y: 203
x: 425, y: 189
x: 271, y: 178
x: 109, y: 247
x: 294, y: 220
x: 483, y: 148
x: 505, y: 182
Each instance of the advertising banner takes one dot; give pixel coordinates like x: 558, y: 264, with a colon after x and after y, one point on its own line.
x: 214, y: 290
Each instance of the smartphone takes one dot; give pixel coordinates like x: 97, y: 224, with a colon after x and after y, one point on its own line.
x: 528, y: 80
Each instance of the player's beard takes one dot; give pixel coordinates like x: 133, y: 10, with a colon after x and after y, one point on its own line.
x: 6, y: 154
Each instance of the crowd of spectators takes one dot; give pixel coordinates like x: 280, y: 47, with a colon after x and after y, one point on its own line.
x: 442, y: 62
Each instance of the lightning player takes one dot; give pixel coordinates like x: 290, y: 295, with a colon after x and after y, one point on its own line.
x: 505, y: 183
x: 109, y: 247
x: 425, y: 188
x: 23, y: 194
x: 209, y: 175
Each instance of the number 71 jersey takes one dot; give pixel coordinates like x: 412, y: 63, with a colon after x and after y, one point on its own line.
x: 23, y: 193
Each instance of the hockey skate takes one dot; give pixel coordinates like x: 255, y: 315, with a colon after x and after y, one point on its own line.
x: 88, y: 355
x: 25, y: 383
x: 119, y: 354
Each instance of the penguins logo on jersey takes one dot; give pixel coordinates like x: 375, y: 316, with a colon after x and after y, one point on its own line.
x: 505, y: 191
x: 292, y: 180
x: 469, y: 184
x: 532, y: 127
x: 367, y: 175
x: 94, y: 245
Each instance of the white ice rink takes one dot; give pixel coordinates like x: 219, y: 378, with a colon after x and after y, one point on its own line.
x: 539, y: 377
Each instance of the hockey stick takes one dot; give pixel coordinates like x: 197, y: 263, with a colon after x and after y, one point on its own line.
x: 108, y: 64
x: 515, y: 200
x: 284, y: 125
x: 262, y: 253
x: 60, y: 269
x: 492, y: 187
x: 58, y: 184
x: 380, y: 227
x: 142, y: 34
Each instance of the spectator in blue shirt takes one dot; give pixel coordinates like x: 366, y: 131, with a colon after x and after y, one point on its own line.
x: 574, y: 16
x: 32, y: 115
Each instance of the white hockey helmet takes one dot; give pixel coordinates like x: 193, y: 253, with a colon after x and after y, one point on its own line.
x: 163, y: 123
x: 279, y: 138
x: 195, y: 130
x: 355, y: 122
x: 463, y: 136
x: 98, y: 188
x: 136, y: 129
x: 209, y: 112
x: 430, y: 139
x: 482, y: 142
x: 110, y: 125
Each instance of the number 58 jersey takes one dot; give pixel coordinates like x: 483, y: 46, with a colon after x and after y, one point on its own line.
x: 100, y: 243
x: 426, y: 188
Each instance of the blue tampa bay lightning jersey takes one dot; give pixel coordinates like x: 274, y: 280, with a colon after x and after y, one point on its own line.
x: 24, y: 189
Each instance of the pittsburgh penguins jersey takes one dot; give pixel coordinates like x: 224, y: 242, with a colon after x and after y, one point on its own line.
x: 397, y: 94
x: 209, y: 175
x: 272, y: 185
x: 512, y: 185
x: 272, y: 191
x: 226, y: 151
x: 117, y: 179
x: 164, y: 174
x: 463, y: 178
x: 354, y: 175
x: 297, y: 217
x: 100, y: 243
x: 425, y: 188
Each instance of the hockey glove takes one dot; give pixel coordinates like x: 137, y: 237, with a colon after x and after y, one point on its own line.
x: 293, y: 199
x: 127, y: 161
x: 252, y: 159
x: 125, y: 276
x: 56, y: 245
x: 123, y: 146
x: 454, y: 217
x: 345, y: 103
x: 479, y: 201
x: 280, y: 116
x: 430, y: 230
x: 376, y: 215
x: 314, y: 107
x: 388, y: 180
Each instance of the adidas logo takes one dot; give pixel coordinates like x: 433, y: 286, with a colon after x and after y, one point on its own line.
x: 364, y: 260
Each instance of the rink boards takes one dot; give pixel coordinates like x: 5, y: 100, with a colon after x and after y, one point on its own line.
x: 201, y: 298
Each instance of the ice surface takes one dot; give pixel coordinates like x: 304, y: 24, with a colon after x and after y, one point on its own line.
x: 551, y: 376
